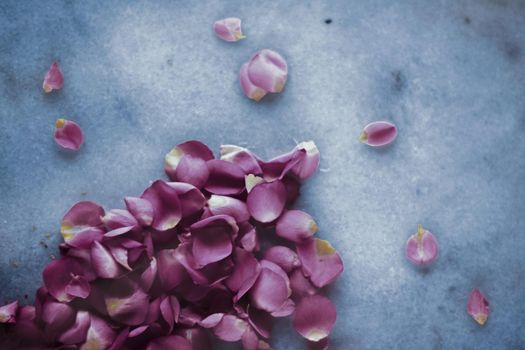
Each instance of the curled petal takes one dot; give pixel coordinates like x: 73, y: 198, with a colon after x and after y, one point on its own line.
x: 8, y: 312
x: 191, y: 198
x: 286, y: 309
x: 62, y: 281
x: 296, y: 226
x: 78, y: 287
x: 271, y: 290
x: 171, y: 271
x: 286, y: 258
x: 103, y: 262
x: 478, y: 307
x: 170, y: 310
x: 99, y: 335
x: 268, y: 70
x: 242, y: 157
x: 245, y: 273
x: 54, y: 79
x: 169, y: 342
x: 191, y: 156
x: 300, y: 285
x: 379, y: 133
x: 228, y: 206
x: 314, y: 317
x: 126, y: 302
x: 225, y: 178
x: 249, y: 240
x: 119, y: 218
x: 141, y: 209
x: 251, y: 180
x: 166, y: 205
x: 309, y: 163
x: 82, y: 224
x: 78, y: 332
x: 228, y: 29
x: 292, y: 189
x: 320, y: 261
x: 212, y: 320
x: 422, y: 247
x: 230, y: 328
x: 250, y: 89
x: 68, y: 134
x: 266, y: 201
x: 212, y: 238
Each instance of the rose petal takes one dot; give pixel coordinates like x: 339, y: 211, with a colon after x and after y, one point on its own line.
x: 230, y: 328
x: 57, y: 316
x: 197, y: 337
x: 148, y: 276
x: 228, y: 206
x: 119, y: 218
x: 379, y: 133
x: 193, y: 169
x: 68, y: 134
x: 271, y: 290
x: 228, y: 29
x: 266, y: 201
x: 478, y: 307
x: 78, y: 287
x: 171, y: 271
x: 268, y: 70
x: 212, y: 320
x: 103, y: 262
x: 251, y: 180
x: 249, y: 240
x: 120, y: 339
x: 225, y: 178
x: 245, y: 273
x: 78, y: 332
x: 59, y: 279
x: 314, y: 317
x: 309, y: 163
x: 320, y: 261
x: 301, y: 286
x: 242, y: 157
x: 8, y: 312
x: 126, y: 302
x: 166, y: 205
x: 212, y: 238
x: 422, y: 247
x: 53, y: 79
x: 286, y: 309
x: 250, y: 90
x: 286, y: 258
x: 99, y: 335
x: 170, y: 310
x: 191, y: 198
x: 141, y: 209
x: 82, y: 224
x: 261, y: 321
x: 169, y: 342
x: 296, y: 226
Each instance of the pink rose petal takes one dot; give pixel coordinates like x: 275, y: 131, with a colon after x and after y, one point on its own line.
x: 422, y: 247
x: 68, y: 134
x: 57, y: 316
x: 296, y: 226
x: 272, y: 288
x: 250, y: 90
x: 191, y: 198
x: 8, y: 312
x: 249, y: 240
x: 103, y: 262
x: 228, y: 29
x: 266, y: 201
x: 230, y: 328
x: 148, y: 276
x: 379, y: 133
x: 242, y: 157
x: 126, y: 302
x: 268, y: 70
x: 119, y: 219
x: 228, y: 206
x: 62, y: 279
x: 186, y: 162
x: 170, y: 310
x: 212, y: 238
x: 78, y: 332
x: 309, y: 163
x: 53, y: 79
x: 478, y: 307
x: 169, y: 342
x: 166, y: 205
x: 99, y: 335
x: 320, y: 261
x: 314, y: 317
x: 245, y: 273
x: 301, y: 286
x: 197, y: 337
x: 82, y: 224
x: 225, y: 178
x: 141, y: 209
x: 171, y: 271
x: 286, y: 258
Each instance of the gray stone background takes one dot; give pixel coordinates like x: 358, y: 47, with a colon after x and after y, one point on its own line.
x: 141, y: 77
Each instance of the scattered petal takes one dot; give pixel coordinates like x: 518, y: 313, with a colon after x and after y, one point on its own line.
x: 308, y: 164
x: 191, y: 198
x: 314, y: 317
x: 193, y: 170
x: 286, y: 258
x: 62, y: 279
x: 225, y: 178
x: 126, y: 302
x: 228, y: 29
x: 268, y: 70
x: 212, y: 238
x: 78, y: 332
x: 422, y: 247
x: 230, y: 328
x: 103, y: 262
x: 68, y: 134
x: 320, y: 261
x: 245, y: 273
x: 171, y: 271
x: 53, y: 79
x: 296, y: 226
x: 228, y: 206
x: 166, y: 205
x: 272, y: 288
x: 119, y: 219
x: 242, y: 157
x: 266, y: 201
x: 250, y: 90
x: 301, y: 286
x: 379, y: 133
x: 478, y: 307
x: 82, y: 224
x: 141, y: 209
x: 99, y: 335
x: 251, y: 180
x: 8, y: 312
x: 170, y: 310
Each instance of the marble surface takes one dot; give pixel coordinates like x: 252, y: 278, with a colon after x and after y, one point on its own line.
x: 143, y: 76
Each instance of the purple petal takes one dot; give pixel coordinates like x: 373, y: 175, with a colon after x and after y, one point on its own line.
x: 120, y: 339
x: 141, y: 209
x: 119, y: 218
x: 245, y: 273
x: 103, y: 262
x: 286, y: 309
x: 82, y: 224
x: 250, y: 90
x: 78, y: 332
x: 99, y: 335
x: 153, y: 313
x: 212, y: 320
x: 57, y: 316
x: 301, y: 286
x: 271, y: 290
x: 126, y: 302
x: 286, y: 258
x: 314, y: 317
x: 68, y: 134
x: 169, y: 342
x: 249, y: 240
x: 171, y: 271
x: 191, y: 156
x: 225, y: 178
x: 309, y: 163
x: 8, y: 312
x: 212, y: 238
x: 148, y: 276
x: 78, y: 287
x: 54, y: 79
x: 59, y: 279
x: 242, y: 157
x: 320, y: 261
x: 170, y: 310
x: 251, y: 180
x: 228, y: 206
x: 166, y: 205
x: 197, y: 337
x: 379, y: 133
x: 266, y: 201
x: 230, y: 328
x: 261, y: 321
x: 191, y: 198
x: 228, y: 29
x: 421, y: 247
x: 296, y: 226
x: 478, y: 307
x: 268, y: 70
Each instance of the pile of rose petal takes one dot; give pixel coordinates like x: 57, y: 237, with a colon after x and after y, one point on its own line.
x: 185, y: 262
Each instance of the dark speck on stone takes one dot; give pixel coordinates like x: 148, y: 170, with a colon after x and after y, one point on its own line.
x: 169, y: 62
x: 452, y: 289
x: 466, y: 20
x: 399, y: 81
x: 512, y: 51
x: 328, y: 21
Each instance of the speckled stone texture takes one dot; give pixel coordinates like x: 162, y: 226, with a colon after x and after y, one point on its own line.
x: 141, y: 77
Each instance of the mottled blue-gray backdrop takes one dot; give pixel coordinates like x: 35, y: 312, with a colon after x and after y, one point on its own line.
x: 143, y: 76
